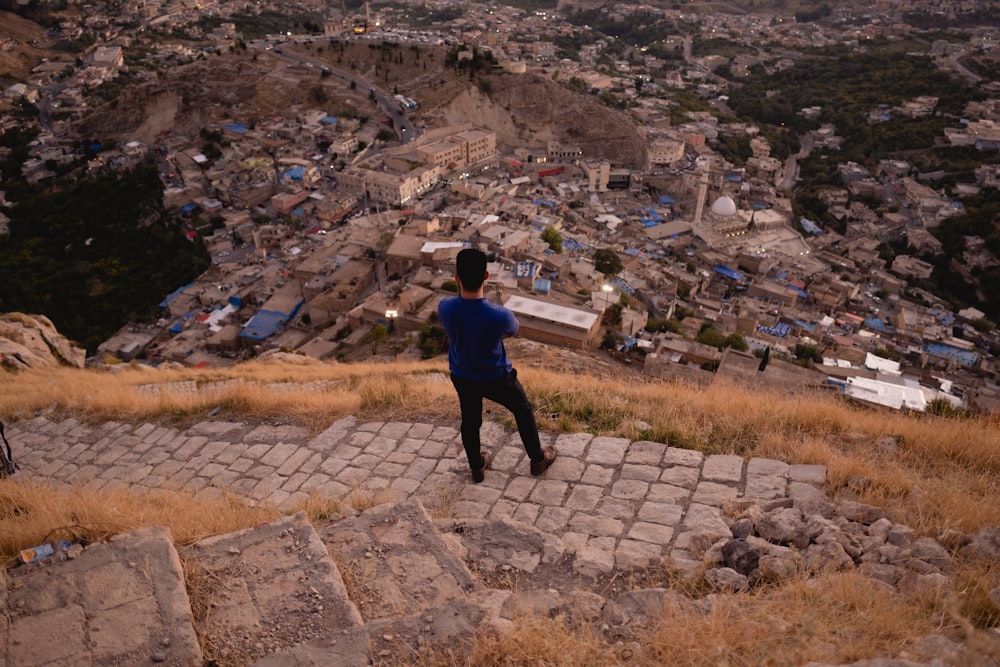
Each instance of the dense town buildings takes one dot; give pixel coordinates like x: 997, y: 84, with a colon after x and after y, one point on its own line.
x: 327, y: 232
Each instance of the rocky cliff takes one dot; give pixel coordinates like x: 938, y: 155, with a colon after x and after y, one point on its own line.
x: 530, y: 110
x: 31, y: 341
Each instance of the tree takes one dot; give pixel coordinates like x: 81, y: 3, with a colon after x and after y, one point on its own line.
x: 766, y: 357
x: 611, y: 340
x: 736, y: 341
x: 577, y: 85
x: 613, y: 315
x: 607, y: 261
x: 431, y: 339
x: 379, y: 334
x: 552, y: 236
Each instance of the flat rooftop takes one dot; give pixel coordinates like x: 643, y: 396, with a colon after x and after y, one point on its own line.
x: 575, y: 318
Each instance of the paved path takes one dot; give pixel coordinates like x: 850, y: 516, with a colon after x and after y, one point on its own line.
x: 615, y: 503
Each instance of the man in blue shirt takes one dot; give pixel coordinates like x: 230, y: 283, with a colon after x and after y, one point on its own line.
x: 479, y: 367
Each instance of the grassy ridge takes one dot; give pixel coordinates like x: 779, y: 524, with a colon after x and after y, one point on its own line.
x: 944, y: 475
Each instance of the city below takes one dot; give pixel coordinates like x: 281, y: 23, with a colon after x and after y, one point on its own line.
x: 601, y: 179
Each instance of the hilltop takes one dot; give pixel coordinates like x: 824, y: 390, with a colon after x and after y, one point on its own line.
x: 897, y: 518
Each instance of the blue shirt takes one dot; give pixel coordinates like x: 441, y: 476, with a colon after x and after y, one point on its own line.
x: 476, y: 329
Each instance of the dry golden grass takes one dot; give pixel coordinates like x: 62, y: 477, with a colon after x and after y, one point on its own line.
x: 534, y: 641
x: 31, y: 514
x: 837, y: 618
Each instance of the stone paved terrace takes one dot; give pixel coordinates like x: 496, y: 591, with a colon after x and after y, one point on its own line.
x: 615, y: 503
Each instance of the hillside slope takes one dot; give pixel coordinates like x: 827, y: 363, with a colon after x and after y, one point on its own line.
x: 529, y: 110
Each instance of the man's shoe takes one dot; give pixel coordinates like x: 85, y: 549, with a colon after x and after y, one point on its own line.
x: 479, y: 475
x: 538, y: 467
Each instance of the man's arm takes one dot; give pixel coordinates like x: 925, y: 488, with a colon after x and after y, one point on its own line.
x: 512, y: 325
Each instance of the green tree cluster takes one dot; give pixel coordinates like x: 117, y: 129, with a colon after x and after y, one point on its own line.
x: 552, y: 236
x: 95, y: 254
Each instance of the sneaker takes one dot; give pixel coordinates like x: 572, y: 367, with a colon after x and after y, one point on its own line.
x: 479, y: 475
x: 538, y: 467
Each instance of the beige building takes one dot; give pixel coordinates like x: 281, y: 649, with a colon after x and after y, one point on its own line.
x: 479, y: 144
x: 554, y: 323
x: 459, y: 149
x: 389, y: 188
x: 665, y: 152
x: 598, y: 174
x: 445, y: 153
x: 407, y: 252
x: 285, y: 202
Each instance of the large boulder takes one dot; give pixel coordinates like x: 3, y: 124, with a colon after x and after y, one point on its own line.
x: 31, y: 341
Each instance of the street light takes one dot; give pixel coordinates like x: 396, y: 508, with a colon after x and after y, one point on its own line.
x: 391, y: 315
x: 607, y: 290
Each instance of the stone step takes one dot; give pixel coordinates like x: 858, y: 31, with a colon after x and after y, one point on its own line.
x: 118, y: 602
x: 396, y: 562
x: 263, y: 589
x: 390, y: 579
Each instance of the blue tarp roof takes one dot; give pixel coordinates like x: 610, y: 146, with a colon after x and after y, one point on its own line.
x: 964, y: 357
x: 178, y: 326
x: 329, y: 120
x: 781, y: 329
x: 263, y: 325
x: 798, y: 290
x: 548, y: 203
x: 877, y: 324
x: 649, y: 217
x: 239, y: 128
x: 543, y: 285
x: 173, y: 295
x: 666, y: 200
x: 296, y: 173
x: 267, y: 322
x: 727, y: 272
x: 189, y: 208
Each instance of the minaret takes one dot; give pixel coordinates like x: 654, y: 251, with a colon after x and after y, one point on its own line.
x: 702, y: 192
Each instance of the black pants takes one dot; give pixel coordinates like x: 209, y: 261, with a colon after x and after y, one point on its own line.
x: 508, y: 392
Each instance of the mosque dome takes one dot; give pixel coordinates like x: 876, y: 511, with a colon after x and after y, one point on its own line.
x: 724, y: 207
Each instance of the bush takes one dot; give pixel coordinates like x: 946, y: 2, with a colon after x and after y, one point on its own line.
x: 431, y: 340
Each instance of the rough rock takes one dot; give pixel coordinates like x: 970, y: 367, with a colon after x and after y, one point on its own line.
x: 983, y: 545
x: 783, y: 526
x: 727, y: 579
x: 32, y: 341
x: 531, y: 110
x: 740, y: 556
x: 922, y: 585
x: 826, y: 557
x: 860, y: 512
